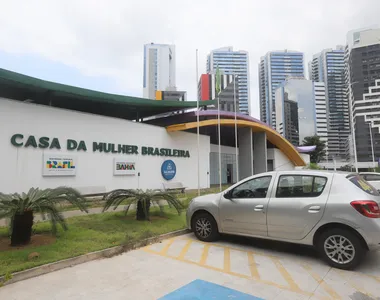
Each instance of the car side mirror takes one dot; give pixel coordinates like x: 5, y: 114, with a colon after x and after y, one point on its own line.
x: 228, y: 195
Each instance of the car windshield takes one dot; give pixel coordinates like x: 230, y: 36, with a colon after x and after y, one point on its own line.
x: 361, y: 183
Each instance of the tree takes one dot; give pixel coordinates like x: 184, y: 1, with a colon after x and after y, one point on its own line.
x: 313, y: 166
x: 319, y: 152
x: 143, y: 200
x: 21, y: 209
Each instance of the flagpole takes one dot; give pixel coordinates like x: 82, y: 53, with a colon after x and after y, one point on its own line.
x: 220, y: 156
x: 236, y: 133
x: 196, y: 70
x: 218, y: 90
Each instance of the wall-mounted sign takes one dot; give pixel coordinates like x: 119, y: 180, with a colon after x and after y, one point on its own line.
x: 123, y: 167
x: 168, y: 169
x: 59, y: 165
x: 19, y: 140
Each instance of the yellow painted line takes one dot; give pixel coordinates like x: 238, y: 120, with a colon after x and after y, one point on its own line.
x: 233, y: 248
x: 167, y: 246
x: 286, y: 275
x: 227, y: 260
x: 204, y: 255
x: 184, y: 250
x: 374, y: 277
x: 146, y: 247
x: 321, y: 282
x: 252, y: 266
x: 230, y: 273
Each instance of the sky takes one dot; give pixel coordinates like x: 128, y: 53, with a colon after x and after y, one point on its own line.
x: 99, y: 44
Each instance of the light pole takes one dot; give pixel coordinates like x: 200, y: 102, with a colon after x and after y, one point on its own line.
x: 353, y: 128
x: 198, y: 158
x: 236, y: 132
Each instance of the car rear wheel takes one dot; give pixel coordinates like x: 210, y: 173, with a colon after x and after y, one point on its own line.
x: 341, y: 248
x: 205, y: 227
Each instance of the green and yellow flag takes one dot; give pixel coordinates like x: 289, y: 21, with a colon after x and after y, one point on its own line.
x: 217, y: 81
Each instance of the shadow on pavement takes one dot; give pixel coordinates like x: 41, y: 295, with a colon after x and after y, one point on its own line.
x: 274, y: 246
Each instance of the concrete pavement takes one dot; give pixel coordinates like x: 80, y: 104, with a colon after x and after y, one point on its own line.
x: 244, y: 267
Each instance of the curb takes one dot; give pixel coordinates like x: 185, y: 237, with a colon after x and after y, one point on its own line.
x: 70, y: 262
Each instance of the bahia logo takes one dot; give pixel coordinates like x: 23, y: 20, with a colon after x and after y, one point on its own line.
x: 168, y: 169
x: 124, y: 166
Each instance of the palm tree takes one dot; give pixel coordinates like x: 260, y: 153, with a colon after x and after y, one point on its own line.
x: 320, y: 151
x: 143, y: 199
x: 21, y: 208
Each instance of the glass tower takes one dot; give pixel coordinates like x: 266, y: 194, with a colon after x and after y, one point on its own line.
x: 233, y: 63
x: 274, y: 68
x: 328, y: 67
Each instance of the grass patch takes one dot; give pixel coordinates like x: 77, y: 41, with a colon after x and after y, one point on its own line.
x: 87, y: 234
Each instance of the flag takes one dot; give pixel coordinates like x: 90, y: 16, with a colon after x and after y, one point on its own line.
x: 217, y: 81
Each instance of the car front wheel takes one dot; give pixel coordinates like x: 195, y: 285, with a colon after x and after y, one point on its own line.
x: 205, y: 227
x: 341, y: 248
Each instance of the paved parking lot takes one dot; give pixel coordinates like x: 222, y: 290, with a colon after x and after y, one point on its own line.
x: 235, y: 268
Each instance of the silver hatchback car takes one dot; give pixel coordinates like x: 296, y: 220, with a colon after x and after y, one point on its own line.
x: 338, y: 213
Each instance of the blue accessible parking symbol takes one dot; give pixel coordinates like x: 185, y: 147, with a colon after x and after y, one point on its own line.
x: 203, y: 290
x: 168, y: 169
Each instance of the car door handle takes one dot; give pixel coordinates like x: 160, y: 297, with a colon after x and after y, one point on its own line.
x: 259, y: 207
x: 314, y: 209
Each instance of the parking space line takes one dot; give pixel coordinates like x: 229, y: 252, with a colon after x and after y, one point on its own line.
x: 227, y: 260
x: 229, y: 247
x: 167, y: 246
x: 374, y: 277
x: 252, y: 272
x: 227, y: 265
x: 285, y: 274
x: 252, y: 266
x: 185, y: 249
x: 321, y: 282
x: 146, y: 249
x: 204, y: 255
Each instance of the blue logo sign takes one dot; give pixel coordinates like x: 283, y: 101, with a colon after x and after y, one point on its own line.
x: 168, y: 169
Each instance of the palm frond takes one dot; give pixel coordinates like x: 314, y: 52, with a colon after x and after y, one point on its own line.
x: 115, y: 197
x: 41, y: 201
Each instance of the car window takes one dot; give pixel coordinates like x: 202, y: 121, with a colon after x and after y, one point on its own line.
x: 362, y: 184
x: 296, y: 186
x: 253, y: 188
x: 371, y: 177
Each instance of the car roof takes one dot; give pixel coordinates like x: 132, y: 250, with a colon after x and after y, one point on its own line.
x: 309, y: 171
x: 369, y: 173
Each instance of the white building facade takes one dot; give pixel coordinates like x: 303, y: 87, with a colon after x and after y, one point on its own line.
x: 31, y: 135
x: 159, y: 72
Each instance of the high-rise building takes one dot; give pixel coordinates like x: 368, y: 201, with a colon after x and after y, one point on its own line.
x: 328, y: 67
x: 301, y: 109
x: 171, y: 95
x: 363, y: 90
x: 274, y: 68
x: 229, y: 90
x: 234, y: 63
x: 159, y: 69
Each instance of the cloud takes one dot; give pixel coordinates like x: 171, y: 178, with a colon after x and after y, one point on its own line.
x: 106, y: 38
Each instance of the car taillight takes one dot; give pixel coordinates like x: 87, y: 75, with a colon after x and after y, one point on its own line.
x: 367, y: 208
